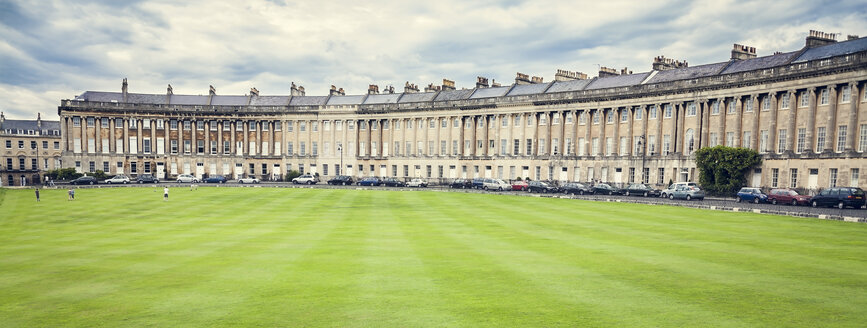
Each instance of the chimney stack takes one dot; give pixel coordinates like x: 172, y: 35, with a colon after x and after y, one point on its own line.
x: 2, y: 118
x: 333, y: 91
x: 254, y: 92
x: 851, y: 37
x: 819, y: 38
x: 742, y: 52
x: 410, y: 88
x: 296, y: 90
x: 431, y: 88
x: 448, y: 84
x: 606, y: 72
x: 169, y: 91
x: 481, y: 82
x: 123, y: 89
x: 564, y: 75
x: 536, y: 79
x: 660, y: 63
x: 372, y: 89
x: 522, y: 78
x: 389, y: 89
x: 39, y: 120
x: 341, y: 92
x: 212, y: 91
x: 495, y: 84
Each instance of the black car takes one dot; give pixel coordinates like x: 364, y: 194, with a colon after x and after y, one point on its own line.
x: 147, y: 178
x: 640, y: 189
x: 575, y: 189
x: 216, y: 179
x: 606, y: 189
x: 393, y: 182
x: 461, y: 184
x: 85, y: 180
x: 540, y: 187
x: 341, y: 180
x: 841, y: 197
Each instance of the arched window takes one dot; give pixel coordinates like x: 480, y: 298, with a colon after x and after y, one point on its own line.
x: 689, y: 140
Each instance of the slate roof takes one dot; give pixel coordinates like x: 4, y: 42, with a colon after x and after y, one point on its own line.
x: 345, y: 100
x: 25, y: 125
x: 417, y: 97
x: 188, y: 100
x: 269, y: 101
x: 564, y: 86
x: 834, y: 49
x: 490, y: 92
x: 230, y: 100
x: 528, y: 89
x: 141, y: 98
x: 617, y: 81
x: 759, y: 63
x: 308, y: 100
x: 385, y: 98
x: 446, y: 95
x: 687, y: 73
x: 101, y: 96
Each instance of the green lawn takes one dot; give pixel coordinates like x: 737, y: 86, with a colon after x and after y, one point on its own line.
x: 305, y: 257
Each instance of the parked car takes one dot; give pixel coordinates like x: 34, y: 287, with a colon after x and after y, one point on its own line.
x: 520, y: 185
x: 540, y: 187
x: 120, y: 178
x: 496, y: 184
x: 418, y: 183
x: 461, y: 184
x: 687, y: 192
x: 755, y: 195
x: 85, y: 180
x: 369, y: 181
x: 667, y: 191
x: 640, y: 189
x: 787, y: 196
x: 393, y: 182
x: 306, y: 178
x: 147, y: 178
x: 216, y: 179
x: 605, y: 189
x: 341, y: 180
x: 575, y: 188
x: 186, y: 178
x: 478, y: 183
x: 841, y: 197
x: 248, y: 180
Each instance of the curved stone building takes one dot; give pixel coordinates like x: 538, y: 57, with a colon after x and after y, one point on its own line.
x: 803, y: 110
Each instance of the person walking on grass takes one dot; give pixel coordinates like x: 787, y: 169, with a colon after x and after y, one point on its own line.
x: 166, y: 193
x: 37, y: 194
x: 71, y: 194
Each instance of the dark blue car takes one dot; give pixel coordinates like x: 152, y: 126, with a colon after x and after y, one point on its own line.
x: 216, y: 179
x: 754, y: 195
x: 371, y: 181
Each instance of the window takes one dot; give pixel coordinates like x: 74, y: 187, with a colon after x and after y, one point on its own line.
x: 555, y: 146
x: 455, y: 148
x: 805, y: 99
x: 132, y: 123
x: 714, y: 109
x: 784, y: 101
x: 732, y: 108
x: 775, y: 176
x: 624, y: 145
x: 90, y: 124
x: 747, y: 141
x: 9, y: 144
x: 146, y: 145
x: 213, y: 147
x: 568, y: 118
x: 289, y: 148
x: 624, y: 115
x: 187, y: 146
x: 146, y: 123
x: 161, y: 124
x: 200, y: 146
x: 730, y: 139
x: 638, y: 113
x: 667, y: 111
x: 652, y: 114
x: 303, y: 149
x: 133, y: 145
x: 832, y: 178
x: 714, y: 139
x: 432, y: 124
x: 666, y: 144
x: 200, y: 125
x: 350, y: 125
x: 582, y: 118
x: 793, y: 178
x: 314, y: 146
x: 610, y: 117
x: 302, y: 126
x: 660, y: 176
x: 569, y: 146
x: 582, y: 146
x: 862, y: 142
x: 290, y: 126
x: 76, y: 121
x: 802, y: 137
x: 820, y: 139
x: 854, y: 176
x: 823, y: 97
x: 766, y: 103
x: 173, y: 124
x: 690, y: 109
x: 133, y: 167
x: 33, y: 144
x: 516, y: 148
x: 103, y: 123
x: 529, y: 147
x: 609, y: 146
x: 187, y: 125
x: 781, y: 141
x: 841, y: 138
x: 338, y: 125
x: 57, y: 146
x: 541, y: 147
x: 596, y: 117
x: 748, y: 106
x: 594, y: 144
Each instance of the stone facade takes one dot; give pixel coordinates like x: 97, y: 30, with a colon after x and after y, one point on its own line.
x: 29, y: 147
x: 803, y: 110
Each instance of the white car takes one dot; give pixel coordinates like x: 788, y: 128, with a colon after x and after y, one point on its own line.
x: 496, y: 184
x: 186, y: 178
x: 248, y: 180
x: 417, y: 183
x: 306, y: 179
x: 120, y: 178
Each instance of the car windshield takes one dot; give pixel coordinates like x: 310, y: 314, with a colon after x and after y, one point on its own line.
x: 857, y: 192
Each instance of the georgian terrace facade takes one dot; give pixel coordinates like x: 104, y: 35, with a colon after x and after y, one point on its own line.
x: 803, y: 110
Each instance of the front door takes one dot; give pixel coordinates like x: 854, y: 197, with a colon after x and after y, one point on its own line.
x: 161, y: 171
x: 813, y: 179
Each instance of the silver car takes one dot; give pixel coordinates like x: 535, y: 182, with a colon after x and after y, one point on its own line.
x: 186, y: 178
x: 120, y: 178
x: 687, y: 192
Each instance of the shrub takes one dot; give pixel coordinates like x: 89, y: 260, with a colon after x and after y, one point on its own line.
x: 723, y: 170
x: 63, y: 174
x: 292, y: 175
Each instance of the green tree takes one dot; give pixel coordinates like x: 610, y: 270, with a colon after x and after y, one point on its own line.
x: 292, y: 175
x: 723, y: 170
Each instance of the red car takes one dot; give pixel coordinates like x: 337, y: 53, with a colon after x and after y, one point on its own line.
x: 520, y: 186
x: 787, y: 196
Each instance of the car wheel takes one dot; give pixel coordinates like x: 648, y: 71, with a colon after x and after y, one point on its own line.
x: 610, y: 193
x: 840, y: 205
x: 794, y: 202
x: 627, y: 193
x: 671, y: 196
x: 581, y: 192
x: 755, y: 200
x: 814, y: 204
x: 740, y: 200
x: 91, y: 183
x: 645, y: 194
x: 688, y: 197
x: 140, y: 182
x: 221, y: 182
x: 774, y: 201
x: 310, y: 182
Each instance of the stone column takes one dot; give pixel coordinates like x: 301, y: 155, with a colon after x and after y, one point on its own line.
x: 738, y: 130
x: 723, y: 103
x: 832, y: 119
x: 792, y: 127
x: 588, y: 127
x: 602, y: 127
x: 112, y: 144
x: 811, y: 121
x: 618, y: 113
x: 677, y: 136
x: 659, y: 116
x: 232, y: 147
x: 854, y: 102
x: 64, y: 129
x: 193, y: 145
x: 630, y: 130
x: 140, y: 136
x: 772, y: 123
x: 84, y: 145
x: 208, y: 138
x: 756, y: 127
x: 705, y: 128
x: 245, y: 148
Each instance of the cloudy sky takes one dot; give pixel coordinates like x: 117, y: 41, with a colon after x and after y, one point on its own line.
x: 53, y: 50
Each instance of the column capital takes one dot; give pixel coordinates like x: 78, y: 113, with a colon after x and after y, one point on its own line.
x: 853, y: 84
x: 811, y: 90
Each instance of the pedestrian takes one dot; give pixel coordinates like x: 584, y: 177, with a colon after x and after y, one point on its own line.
x: 71, y: 194
x: 166, y: 193
x: 37, y: 194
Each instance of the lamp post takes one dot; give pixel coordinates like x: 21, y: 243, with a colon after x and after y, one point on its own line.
x: 641, y: 149
x: 340, y: 149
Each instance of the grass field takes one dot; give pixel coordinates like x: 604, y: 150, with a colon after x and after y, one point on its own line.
x: 306, y: 257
